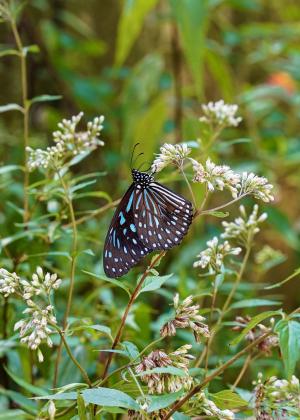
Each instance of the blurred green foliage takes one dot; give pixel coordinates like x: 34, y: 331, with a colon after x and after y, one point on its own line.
x: 147, y: 65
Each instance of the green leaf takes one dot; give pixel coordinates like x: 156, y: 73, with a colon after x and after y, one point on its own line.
x: 252, y: 303
x: 44, y: 98
x: 109, y: 397
x: 59, y: 396
x: 228, y: 399
x: 163, y: 401
x: 192, y: 20
x: 96, y: 194
x: 102, y: 328
x: 13, y: 414
x: 81, y: 407
x: 169, y: 369
x: 219, y: 214
x: 154, y: 283
x: 11, y: 107
x: 9, y: 168
x: 131, y: 349
x: 27, y: 386
x: 254, y: 321
x: 23, y: 402
x: 130, y: 25
x: 289, y: 341
x: 115, y: 282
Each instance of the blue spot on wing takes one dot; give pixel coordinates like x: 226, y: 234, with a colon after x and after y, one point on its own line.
x: 122, y: 218
x: 132, y: 227
x: 130, y: 202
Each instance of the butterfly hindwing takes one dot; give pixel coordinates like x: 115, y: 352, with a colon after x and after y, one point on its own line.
x: 123, y: 247
x: 165, y: 217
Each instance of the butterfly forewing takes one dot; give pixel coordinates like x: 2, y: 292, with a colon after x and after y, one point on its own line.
x: 123, y: 247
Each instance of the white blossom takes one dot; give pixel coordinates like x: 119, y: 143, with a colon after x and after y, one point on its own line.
x: 257, y: 186
x: 9, y: 282
x: 244, y: 227
x: 186, y: 316
x: 34, y: 329
x: 170, y: 154
x: 40, y: 284
x: 213, y: 256
x: 68, y: 143
x: 217, y: 177
x: 220, y: 114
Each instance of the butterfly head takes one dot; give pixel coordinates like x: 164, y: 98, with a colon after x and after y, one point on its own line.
x: 142, y: 179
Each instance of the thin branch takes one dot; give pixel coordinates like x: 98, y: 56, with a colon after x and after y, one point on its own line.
x: 25, y: 104
x: 216, y: 373
x: 72, y: 271
x: 128, y: 307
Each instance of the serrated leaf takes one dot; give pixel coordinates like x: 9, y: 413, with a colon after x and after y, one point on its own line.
x: 163, y: 401
x: 252, y: 303
x: 154, y: 282
x: 289, y: 341
x: 44, y: 98
x: 109, y: 397
x: 11, y: 107
x: 254, y: 321
x: 228, y: 399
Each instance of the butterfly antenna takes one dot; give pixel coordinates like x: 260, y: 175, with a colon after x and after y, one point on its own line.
x: 136, y: 158
x: 144, y: 163
x: 132, y: 154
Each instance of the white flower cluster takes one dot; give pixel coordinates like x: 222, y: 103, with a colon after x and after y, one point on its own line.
x: 220, y: 114
x: 186, y: 316
x: 275, y: 398
x: 218, y: 177
x: 160, y: 382
x: 9, y: 282
x: 244, y: 227
x: 68, y: 143
x: 41, y: 283
x: 34, y: 330
x: 257, y: 186
x: 170, y: 154
x: 210, y: 409
x: 213, y: 256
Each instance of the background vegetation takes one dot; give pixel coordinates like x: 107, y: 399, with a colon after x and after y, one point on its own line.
x: 147, y: 66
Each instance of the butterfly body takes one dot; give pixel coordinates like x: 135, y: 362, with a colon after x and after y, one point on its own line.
x: 150, y: 217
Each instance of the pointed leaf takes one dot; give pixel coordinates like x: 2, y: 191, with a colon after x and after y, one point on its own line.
x: 109, y: 397
x: 154, y: 283
x: 254, y: 321
x: 289, y: 341
x: 11, y: 107
x: 228, y: 399
x: 163, y: 401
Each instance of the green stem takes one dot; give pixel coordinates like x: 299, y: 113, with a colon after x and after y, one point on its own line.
x: 22, y: 56
x: 72, y: 270
x: 216, y: 373
x: 127, y: 309
x: 74, y: 360
x: 189, y: 187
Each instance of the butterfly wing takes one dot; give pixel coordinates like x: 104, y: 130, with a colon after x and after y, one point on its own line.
x: 165, y: 217
x: 123, y: 248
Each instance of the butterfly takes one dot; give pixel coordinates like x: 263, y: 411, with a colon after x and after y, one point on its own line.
x: 150, y: 217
